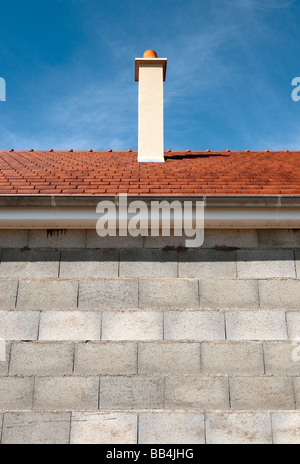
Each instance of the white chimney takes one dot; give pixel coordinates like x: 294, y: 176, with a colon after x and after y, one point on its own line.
x: 150, y: 71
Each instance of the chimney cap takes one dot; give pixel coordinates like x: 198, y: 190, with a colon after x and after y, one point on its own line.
x: 150, y: 54
x: 150, y: 60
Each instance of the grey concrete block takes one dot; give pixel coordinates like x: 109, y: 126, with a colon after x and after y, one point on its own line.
x: 106, y: 358
x: 41, y: 358
x: 89, y: 263
x: 297, y: 391
x: 47, y: 294
x: 36, y: 428
x: 261, y: 393
x: 256, y: 325
x: 5, y: 349
x: 132, y: 325
x: 279, y: 238
x: 103, y: 428
x: 167, y: 243
x: 196, y: 392
x: 171, y: 428
x: 135, y: 392
x: 8, y: 294
x: 286, y: 428
x: 169, y: 358
x: 29, y: 263
x: 13, y: 238
x: 293, y: 325
x: 148, y: 263
x: 16, y: 392
x: 263, y: 264
x: 207, y: 263
x: 94, y: 241
x: 194, y: 325
x: 70, y: 325
x: 230, y: 238
x: 19, y: 325
x: 279, y: 294
x: 238, y: 428
x: 168, y: 294
x: 228, y: 294
x: 67, y: 392
x: 232, y: 358
x: 108, y: 294
x: 279, y: 358
x: 57, y: 238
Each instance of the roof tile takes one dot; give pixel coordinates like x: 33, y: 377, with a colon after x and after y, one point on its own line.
x: 184, y: 173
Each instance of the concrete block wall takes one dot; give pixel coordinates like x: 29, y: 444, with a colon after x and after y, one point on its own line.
x: 140, y: 340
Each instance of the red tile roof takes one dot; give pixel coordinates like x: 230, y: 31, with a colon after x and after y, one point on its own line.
x: 183, y: 173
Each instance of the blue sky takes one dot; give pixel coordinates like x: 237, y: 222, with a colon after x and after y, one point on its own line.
x: 69, y: 71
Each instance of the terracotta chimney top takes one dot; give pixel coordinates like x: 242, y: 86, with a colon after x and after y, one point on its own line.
x: 150, y: 54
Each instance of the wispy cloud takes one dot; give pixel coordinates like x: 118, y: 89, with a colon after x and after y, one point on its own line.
x: 265, y: 5
x: 217, y: 80
x: 100, y: 115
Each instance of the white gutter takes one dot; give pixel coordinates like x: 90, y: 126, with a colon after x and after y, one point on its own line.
x: 79, y: 212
